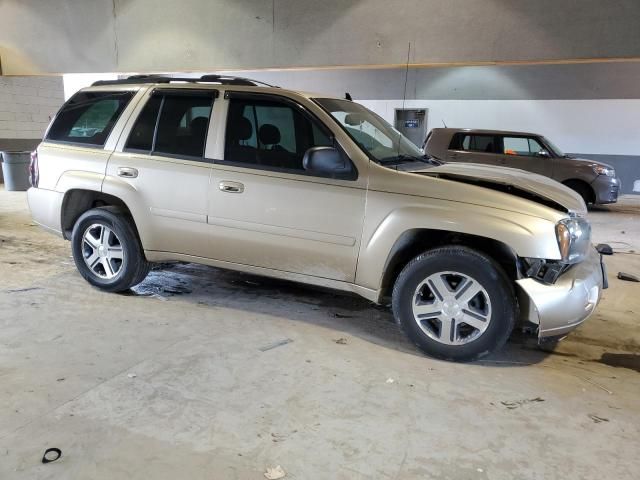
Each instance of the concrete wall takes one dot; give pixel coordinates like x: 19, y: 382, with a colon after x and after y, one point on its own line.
x: 154, y: 35
x: 27, y: 104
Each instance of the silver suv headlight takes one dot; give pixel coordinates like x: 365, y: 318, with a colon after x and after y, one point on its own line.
x: 574, y: 238
x: 602, y: 170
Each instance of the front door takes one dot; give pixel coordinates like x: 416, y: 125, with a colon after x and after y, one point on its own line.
x: 265, y: 210
x: 525, y: 153
x: 160, y: 170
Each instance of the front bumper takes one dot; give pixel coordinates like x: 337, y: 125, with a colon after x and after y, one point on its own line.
x: 606, y: 189
x: 561, y: 307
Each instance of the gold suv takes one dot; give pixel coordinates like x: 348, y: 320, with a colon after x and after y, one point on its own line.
x: 226, y: 172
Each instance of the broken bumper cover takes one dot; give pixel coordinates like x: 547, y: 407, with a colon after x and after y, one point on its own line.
x: 561, y: 307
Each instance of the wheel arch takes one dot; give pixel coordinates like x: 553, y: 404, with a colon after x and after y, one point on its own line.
x: 576, y: 184
x: 416, y: 241
x: 78, y: 200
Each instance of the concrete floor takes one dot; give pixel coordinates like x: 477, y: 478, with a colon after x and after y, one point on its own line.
x: 189, y: 377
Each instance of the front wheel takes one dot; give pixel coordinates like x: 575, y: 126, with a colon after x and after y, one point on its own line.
x: 106, y: 250
x: 454, y: 303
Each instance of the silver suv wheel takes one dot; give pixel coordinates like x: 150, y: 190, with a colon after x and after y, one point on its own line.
x: 102, y: 251
x: 451, y: 308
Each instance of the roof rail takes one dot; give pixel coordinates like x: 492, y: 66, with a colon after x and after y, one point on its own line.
x: 210, y: 78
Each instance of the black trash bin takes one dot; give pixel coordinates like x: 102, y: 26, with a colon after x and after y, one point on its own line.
x: 15, y: 169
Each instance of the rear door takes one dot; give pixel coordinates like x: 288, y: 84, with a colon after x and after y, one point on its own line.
x: 525, y: 153
x: 159, y: 169
x: 473, y: 148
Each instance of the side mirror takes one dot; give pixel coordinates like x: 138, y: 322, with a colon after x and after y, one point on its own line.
x: 543, y: 154
x: 326, y: 161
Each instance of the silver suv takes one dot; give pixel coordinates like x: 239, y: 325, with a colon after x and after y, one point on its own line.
x: 224, y: 172
x: 596, y: 182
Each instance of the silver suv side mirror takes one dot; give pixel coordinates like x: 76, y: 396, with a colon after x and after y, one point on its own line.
x: 326, y: 161
x: 543, y: 153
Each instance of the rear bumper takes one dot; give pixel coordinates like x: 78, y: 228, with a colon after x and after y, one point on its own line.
x: 606, y: 189
x: 46, y: 207
x: 563, y: 306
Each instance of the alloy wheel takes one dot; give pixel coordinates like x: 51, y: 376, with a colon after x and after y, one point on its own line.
x: 451, y: 308
x: 102, y: 251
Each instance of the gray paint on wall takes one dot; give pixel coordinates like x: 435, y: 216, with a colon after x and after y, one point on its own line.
x: 154, y: 35
x: 530, y: 82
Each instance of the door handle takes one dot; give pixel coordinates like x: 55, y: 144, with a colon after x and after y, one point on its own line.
x: 231, y: 187
x: 127, y: 172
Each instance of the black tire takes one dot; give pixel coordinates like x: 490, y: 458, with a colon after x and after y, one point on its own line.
x: 477, y: 266
x: 584, y: 190
x: 133, y: 267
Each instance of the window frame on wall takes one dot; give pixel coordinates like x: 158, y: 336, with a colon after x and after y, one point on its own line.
x: 126, y: 95
x: 163, y: 94
x: 314, y: 121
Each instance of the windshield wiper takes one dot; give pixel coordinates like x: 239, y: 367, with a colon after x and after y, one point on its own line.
x: 403, y: 157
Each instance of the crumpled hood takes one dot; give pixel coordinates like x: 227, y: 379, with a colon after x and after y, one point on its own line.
x: 513, y: 181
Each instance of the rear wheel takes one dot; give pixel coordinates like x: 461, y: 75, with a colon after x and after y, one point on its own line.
x: 454, y: 303
x: 106, y: 250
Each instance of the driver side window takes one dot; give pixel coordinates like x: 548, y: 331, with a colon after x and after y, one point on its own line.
x: 270, y: 134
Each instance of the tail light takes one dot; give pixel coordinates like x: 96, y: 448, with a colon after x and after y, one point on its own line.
x: 34, y: 171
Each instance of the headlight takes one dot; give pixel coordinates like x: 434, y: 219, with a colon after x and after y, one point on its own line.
x: 602, y: 170
x: 574, y: 239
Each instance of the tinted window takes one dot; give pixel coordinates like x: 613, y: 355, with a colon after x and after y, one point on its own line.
x: 183, y: 125
x: 270, y: 133
x: 88, y: 117
x: 141, y: 137
x: 473, y: 143
x: 523, y: 146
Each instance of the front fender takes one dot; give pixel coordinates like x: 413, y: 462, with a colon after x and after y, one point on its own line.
x: 526, y: 235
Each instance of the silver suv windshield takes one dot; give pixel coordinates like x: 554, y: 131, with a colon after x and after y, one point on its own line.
x: 382, y: 143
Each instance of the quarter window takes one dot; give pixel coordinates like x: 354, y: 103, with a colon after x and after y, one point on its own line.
x: 88, y: 117
x: 270, y: 134
x: 523, y: 146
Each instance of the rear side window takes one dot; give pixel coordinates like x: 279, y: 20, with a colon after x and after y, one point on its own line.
x: 141, y: 137
x: 473, y: 143
x: 88, y: 117
x: 523, y: 146
x: 173, y: 125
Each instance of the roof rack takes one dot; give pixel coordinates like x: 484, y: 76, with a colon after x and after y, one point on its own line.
x: 210, y: 78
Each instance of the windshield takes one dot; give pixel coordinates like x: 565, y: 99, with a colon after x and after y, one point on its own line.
x: 376, y: 137
x: 555, y: 150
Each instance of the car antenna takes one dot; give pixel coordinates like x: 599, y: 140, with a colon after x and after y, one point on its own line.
x: 445, y: 125
x: 404, y: 94
x: 347, y: 96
